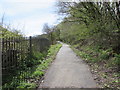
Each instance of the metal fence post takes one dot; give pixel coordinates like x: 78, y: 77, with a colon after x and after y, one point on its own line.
x: 0, y: 62
x: 30, y: 47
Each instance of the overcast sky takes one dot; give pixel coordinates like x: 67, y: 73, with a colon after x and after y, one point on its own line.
x: 29, y: 15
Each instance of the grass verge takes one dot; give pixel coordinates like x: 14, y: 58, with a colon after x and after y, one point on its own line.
x: 103, y: 65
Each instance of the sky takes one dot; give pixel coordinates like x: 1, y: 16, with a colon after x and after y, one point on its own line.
x: 29, y: 16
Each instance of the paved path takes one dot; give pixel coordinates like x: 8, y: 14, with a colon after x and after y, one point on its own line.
x: 68, y: 71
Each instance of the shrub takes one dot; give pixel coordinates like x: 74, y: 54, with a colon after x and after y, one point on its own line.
x: 117, y: 59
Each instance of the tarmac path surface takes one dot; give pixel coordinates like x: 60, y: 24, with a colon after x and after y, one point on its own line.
x: 68, y: 71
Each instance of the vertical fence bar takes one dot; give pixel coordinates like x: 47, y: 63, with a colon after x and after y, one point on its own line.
x: 27, y: 45
x: 17, y: 48
x: 12, y: 53
x: 1, y: 57
x: 30, y: 46
x: 22, y: 48
x: 26, y: 51
x: 6, y: 57
x: 25, y: 55
x: 8, y: 51
x: 13, y: 61
x: 12, y: 58
x: 30, y: 52
x: 19, y: 58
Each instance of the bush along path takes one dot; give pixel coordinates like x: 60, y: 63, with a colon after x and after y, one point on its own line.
x: 68, y: 71
x: 36, y: 73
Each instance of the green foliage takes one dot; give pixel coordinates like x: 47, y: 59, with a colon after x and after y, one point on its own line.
x: 38, y: 55
x: 93, y: 28
x: 117, y: 59
x: 94, y: 54
x: 6, y: 33
x: 25, y: 85
x: 22, y: 85
x: 93, y: 23
x: 37, y: 74
x: 53, y: 49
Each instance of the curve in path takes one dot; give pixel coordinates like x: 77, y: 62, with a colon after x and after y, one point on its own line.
x: 68, y: 71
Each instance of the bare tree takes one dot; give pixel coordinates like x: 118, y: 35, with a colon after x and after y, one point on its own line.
x: 2, y: 19
x: 46, y: 29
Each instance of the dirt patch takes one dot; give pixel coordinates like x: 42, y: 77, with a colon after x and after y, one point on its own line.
x: 106, y: 77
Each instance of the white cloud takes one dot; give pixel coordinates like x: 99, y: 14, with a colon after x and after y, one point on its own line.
x: 14, y: 7
x: 30, y: 1
x: 34, y: 25
x: 31, y: 13
x: 18, y: 8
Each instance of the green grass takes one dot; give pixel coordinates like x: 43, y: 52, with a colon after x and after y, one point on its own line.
x: 103, y: 64
x: 92, y: 54
x: 27, y: 85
